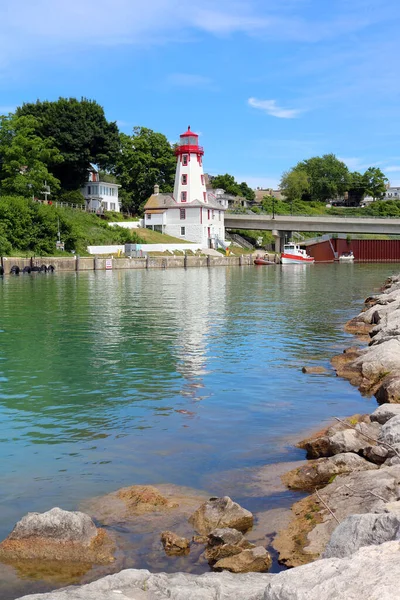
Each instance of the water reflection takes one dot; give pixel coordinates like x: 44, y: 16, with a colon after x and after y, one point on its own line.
x: 110, y: 379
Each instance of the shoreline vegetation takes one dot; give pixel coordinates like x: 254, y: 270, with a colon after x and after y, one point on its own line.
x: 342, y: 538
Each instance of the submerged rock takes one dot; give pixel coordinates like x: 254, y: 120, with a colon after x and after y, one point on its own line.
x: 57, y: 535
x: 174, y: 545
x: 254, y: 560
x: 314, y: 370
x: 219, y: 513
x: 225, y: 542
x: 317, y: 473
x: 141, y: 499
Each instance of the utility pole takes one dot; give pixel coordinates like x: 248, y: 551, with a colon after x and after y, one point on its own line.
x: 46, y: 191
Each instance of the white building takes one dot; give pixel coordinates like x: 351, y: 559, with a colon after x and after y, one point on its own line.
x: 189, y: 213
x: 392, y: 193
x: 99, y: 195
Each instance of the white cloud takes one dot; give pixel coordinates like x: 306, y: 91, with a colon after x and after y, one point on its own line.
x: 392, y: 169
x: 272, y: 109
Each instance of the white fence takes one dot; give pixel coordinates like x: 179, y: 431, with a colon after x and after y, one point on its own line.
x: 129, y: 224
x: 144, y: 248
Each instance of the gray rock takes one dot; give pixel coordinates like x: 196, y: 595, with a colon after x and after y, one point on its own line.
x: 390, y: 432
x: 135, y: 584
x: 362, y: 530
x: 385, y: 412
x: 57, y: 535
x: 56, y: 524
x: 376, y: 454
x: 372, y: 573
x: 350, y: 440
x: 218, y: 513
x: 224, y: 536
x: 389, y: 391
x: 317, y: 473
x: 380, y: 360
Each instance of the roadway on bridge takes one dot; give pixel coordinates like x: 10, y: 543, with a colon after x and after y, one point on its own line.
x: 321, y: 224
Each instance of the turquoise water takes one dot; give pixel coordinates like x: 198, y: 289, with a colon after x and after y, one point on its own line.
x: 110, y: 379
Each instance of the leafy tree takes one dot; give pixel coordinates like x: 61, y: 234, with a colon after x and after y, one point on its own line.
x: 146, y: 158
x: 295, y: 184
x: 357, y: 189
x: 247, y: 192
x: 375, y: 183
x: 327, y: 178
x: 26, y: 158
x: 226, y: 182
x: 72, y: 197
x: 81, y: 133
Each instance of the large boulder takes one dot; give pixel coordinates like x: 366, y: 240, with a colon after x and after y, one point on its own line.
x: 317, y: 473
x: 354, y: 440
x: 372, y: 573
x: 362, y: 530
x: 219, y: 513
x: 57, y: 535
x: 389, y: 390
x: 378, y: 361
x: 385, y: 412
x: 390, y: 432
x: 254, y: 560
x: 312, y: 525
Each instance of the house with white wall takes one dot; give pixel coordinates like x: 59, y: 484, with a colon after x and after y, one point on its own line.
x: 100, y: 195
x: 190, y: 212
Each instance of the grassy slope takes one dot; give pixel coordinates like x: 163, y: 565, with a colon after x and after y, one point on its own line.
x: 155, y: 237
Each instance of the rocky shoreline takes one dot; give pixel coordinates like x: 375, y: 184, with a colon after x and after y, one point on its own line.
x: 343, y: 538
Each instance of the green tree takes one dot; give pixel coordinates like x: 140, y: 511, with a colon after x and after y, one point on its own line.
x: 80, y: 131
x: 295, y: 185
x: 375, y: 183
x: 226, y: 182
x: 247, y: 192
x: 357, y: 189
x: 327, y: 177
x: 25, y: 158
x: 146, y: 158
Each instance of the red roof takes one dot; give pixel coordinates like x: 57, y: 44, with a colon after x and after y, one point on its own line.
x: 189, y: 133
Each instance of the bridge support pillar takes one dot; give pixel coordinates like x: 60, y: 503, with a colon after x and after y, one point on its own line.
x: 279, y: 240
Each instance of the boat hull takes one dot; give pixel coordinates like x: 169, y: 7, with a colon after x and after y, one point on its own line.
x: 346, y: 259
x: 288, y: 259
x: 262, y: 261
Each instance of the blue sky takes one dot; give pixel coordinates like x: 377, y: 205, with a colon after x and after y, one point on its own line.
x: 265, y: 83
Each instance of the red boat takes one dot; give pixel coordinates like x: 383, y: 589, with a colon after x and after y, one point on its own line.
x: 262, y: 261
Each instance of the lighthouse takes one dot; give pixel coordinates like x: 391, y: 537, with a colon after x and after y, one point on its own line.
x: 189, y: 213
x: 189, y: 176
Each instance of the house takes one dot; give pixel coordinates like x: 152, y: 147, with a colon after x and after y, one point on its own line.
x: 190, y: 213
x: 392, y: 193
x: 100, y: 195
x: 228, y: 201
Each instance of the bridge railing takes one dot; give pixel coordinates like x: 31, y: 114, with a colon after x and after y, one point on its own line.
x: 257, y: 217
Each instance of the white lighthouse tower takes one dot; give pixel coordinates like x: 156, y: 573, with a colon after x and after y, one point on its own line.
x: 189, y: 213
x: 189, y: 176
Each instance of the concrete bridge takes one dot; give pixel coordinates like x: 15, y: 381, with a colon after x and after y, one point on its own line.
x: 281, y: 224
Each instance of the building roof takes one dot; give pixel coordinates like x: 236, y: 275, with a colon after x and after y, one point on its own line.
x: 164, y: 201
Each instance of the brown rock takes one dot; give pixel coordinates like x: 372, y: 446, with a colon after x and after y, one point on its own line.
x: 318, y: 473
x: 174, y: 545
x: 255, y: 560
x: 58, y: 535
x: 319, y: 445
x: 200, y: 539
x: 389, y: 391
x: 313, y: 370
x: 219, y: 513
x: 141, y: 499
x: 357, y: 327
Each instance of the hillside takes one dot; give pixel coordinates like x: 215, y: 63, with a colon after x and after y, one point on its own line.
x: 30, y: 228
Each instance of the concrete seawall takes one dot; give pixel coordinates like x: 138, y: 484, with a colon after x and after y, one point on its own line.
x: 79, y: 263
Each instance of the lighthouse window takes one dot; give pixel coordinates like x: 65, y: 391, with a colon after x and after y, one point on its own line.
x: 184, y: 179
x: 182, y: 213
x: 205, y: 196
x: 208, y: 214
x: 185, y: 160
x: 213, y: 215
x: 183, y: 230
x: 202, y: 179
x: 183, y: 196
